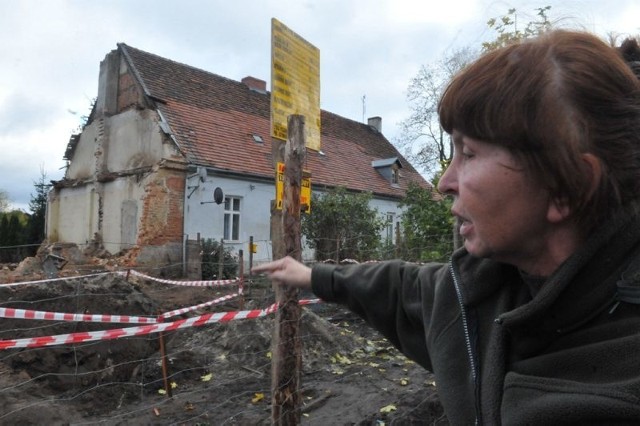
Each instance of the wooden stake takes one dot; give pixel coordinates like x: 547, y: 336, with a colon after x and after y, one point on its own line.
x: 286, y: 345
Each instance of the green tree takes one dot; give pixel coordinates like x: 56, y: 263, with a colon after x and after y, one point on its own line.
x: 341, y: 225
x: 212, y: 251
x: 508, y: 32
x: 426, y: 226
x: 38, y: 207
x: 12, y: 235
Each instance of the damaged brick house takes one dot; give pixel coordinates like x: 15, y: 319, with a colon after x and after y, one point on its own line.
x: 162, y: 136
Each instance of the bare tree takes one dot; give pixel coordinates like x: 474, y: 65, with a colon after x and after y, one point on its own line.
x: 421, y: 138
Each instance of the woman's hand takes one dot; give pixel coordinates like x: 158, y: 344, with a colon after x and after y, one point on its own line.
x: 286, y: 271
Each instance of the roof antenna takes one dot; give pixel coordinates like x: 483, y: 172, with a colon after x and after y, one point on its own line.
x: 364, y: 107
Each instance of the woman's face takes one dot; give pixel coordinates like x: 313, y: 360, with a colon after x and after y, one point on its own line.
x: 503, y: 214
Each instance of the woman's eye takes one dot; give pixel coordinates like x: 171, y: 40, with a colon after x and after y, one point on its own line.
x: 466, y: 154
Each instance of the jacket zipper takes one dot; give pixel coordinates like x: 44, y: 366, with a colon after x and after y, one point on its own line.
x: 467, y: 337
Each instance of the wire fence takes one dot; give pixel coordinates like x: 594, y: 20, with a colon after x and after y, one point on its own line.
x: 433, y: 248
x: 126, y: 347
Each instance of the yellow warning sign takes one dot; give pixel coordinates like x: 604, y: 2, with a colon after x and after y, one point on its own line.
x: 305, y: 189
x: 295, y: 83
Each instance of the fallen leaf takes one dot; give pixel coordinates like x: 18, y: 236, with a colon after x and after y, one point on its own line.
x: 206, y: 377
x: 156, y: 412
x: 257, y: 398
x: 342, y: 359
x: 162, y: 391
x: 338, y: 371
x: 387, y: 409
x: 404, y: 382
x: 174, y: 385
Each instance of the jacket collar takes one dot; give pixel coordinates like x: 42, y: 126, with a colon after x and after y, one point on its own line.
x: 586, y: 283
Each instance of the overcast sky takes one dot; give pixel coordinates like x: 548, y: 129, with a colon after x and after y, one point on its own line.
x: 51, y: 52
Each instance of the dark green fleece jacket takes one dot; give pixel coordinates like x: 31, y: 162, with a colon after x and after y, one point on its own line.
x: 570, y: 355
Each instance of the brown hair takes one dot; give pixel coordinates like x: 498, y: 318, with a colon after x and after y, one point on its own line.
x: 548, y: 100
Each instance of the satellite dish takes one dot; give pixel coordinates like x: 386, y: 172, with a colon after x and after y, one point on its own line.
x: 218, y: 196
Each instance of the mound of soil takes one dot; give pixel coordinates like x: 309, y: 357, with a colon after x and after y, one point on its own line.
x: 216, y: 374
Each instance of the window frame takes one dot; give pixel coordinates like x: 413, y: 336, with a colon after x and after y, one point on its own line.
x: 232, y: 218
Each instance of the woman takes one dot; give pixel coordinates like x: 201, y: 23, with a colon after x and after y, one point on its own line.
x: 537, y: 319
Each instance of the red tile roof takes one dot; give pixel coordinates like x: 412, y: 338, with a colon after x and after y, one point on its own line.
x: 214, y: 119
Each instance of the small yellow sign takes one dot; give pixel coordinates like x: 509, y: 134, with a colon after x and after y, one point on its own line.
x: 279, y: 185
x: 305, y: 189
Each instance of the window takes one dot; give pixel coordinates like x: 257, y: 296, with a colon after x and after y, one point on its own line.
x: 395, y: 175
x: 231, y: 218
x: 390, y: 217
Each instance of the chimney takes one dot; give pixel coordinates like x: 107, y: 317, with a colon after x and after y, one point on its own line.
x: 375, y: 123
x: 255, y: 84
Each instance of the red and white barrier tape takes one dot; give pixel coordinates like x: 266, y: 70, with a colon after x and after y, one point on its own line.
x: 201, y: 305
x: 90, y: 336
x: 62, y: 316
x: 50, y: 280
x: 209, y: 283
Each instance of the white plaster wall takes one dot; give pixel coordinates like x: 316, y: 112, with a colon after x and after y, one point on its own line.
x: 115, y: 194
x: 139, y: 140
x: 77, y: 215
x: 207, y: 219
x: 84, y: 163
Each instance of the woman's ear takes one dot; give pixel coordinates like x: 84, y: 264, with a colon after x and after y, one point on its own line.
x: 559, y: 209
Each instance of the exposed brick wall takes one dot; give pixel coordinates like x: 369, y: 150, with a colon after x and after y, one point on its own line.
x: 162, y: 213
x: 128, y: 92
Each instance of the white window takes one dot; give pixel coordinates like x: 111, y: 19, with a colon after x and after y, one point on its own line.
x: 390, y: 218
x: 231, y: 218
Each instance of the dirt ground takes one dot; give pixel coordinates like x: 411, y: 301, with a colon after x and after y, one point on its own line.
x: 217, y: 374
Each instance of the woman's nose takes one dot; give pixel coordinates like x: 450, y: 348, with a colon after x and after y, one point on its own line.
x: 448, y: 181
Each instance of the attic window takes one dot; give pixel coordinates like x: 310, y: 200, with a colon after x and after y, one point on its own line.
x: 389, y: 168
x: 257, y: 139
x: 395, y: 175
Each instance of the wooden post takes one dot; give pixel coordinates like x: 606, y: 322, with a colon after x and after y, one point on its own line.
x: 185, y: 242
x: 286, y: 345
x: 250, y: 253
x: 241, y: 276
x: 221, y: 259
x: 163, y: 358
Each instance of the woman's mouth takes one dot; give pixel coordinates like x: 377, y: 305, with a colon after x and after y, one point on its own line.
x: 465, y: 227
